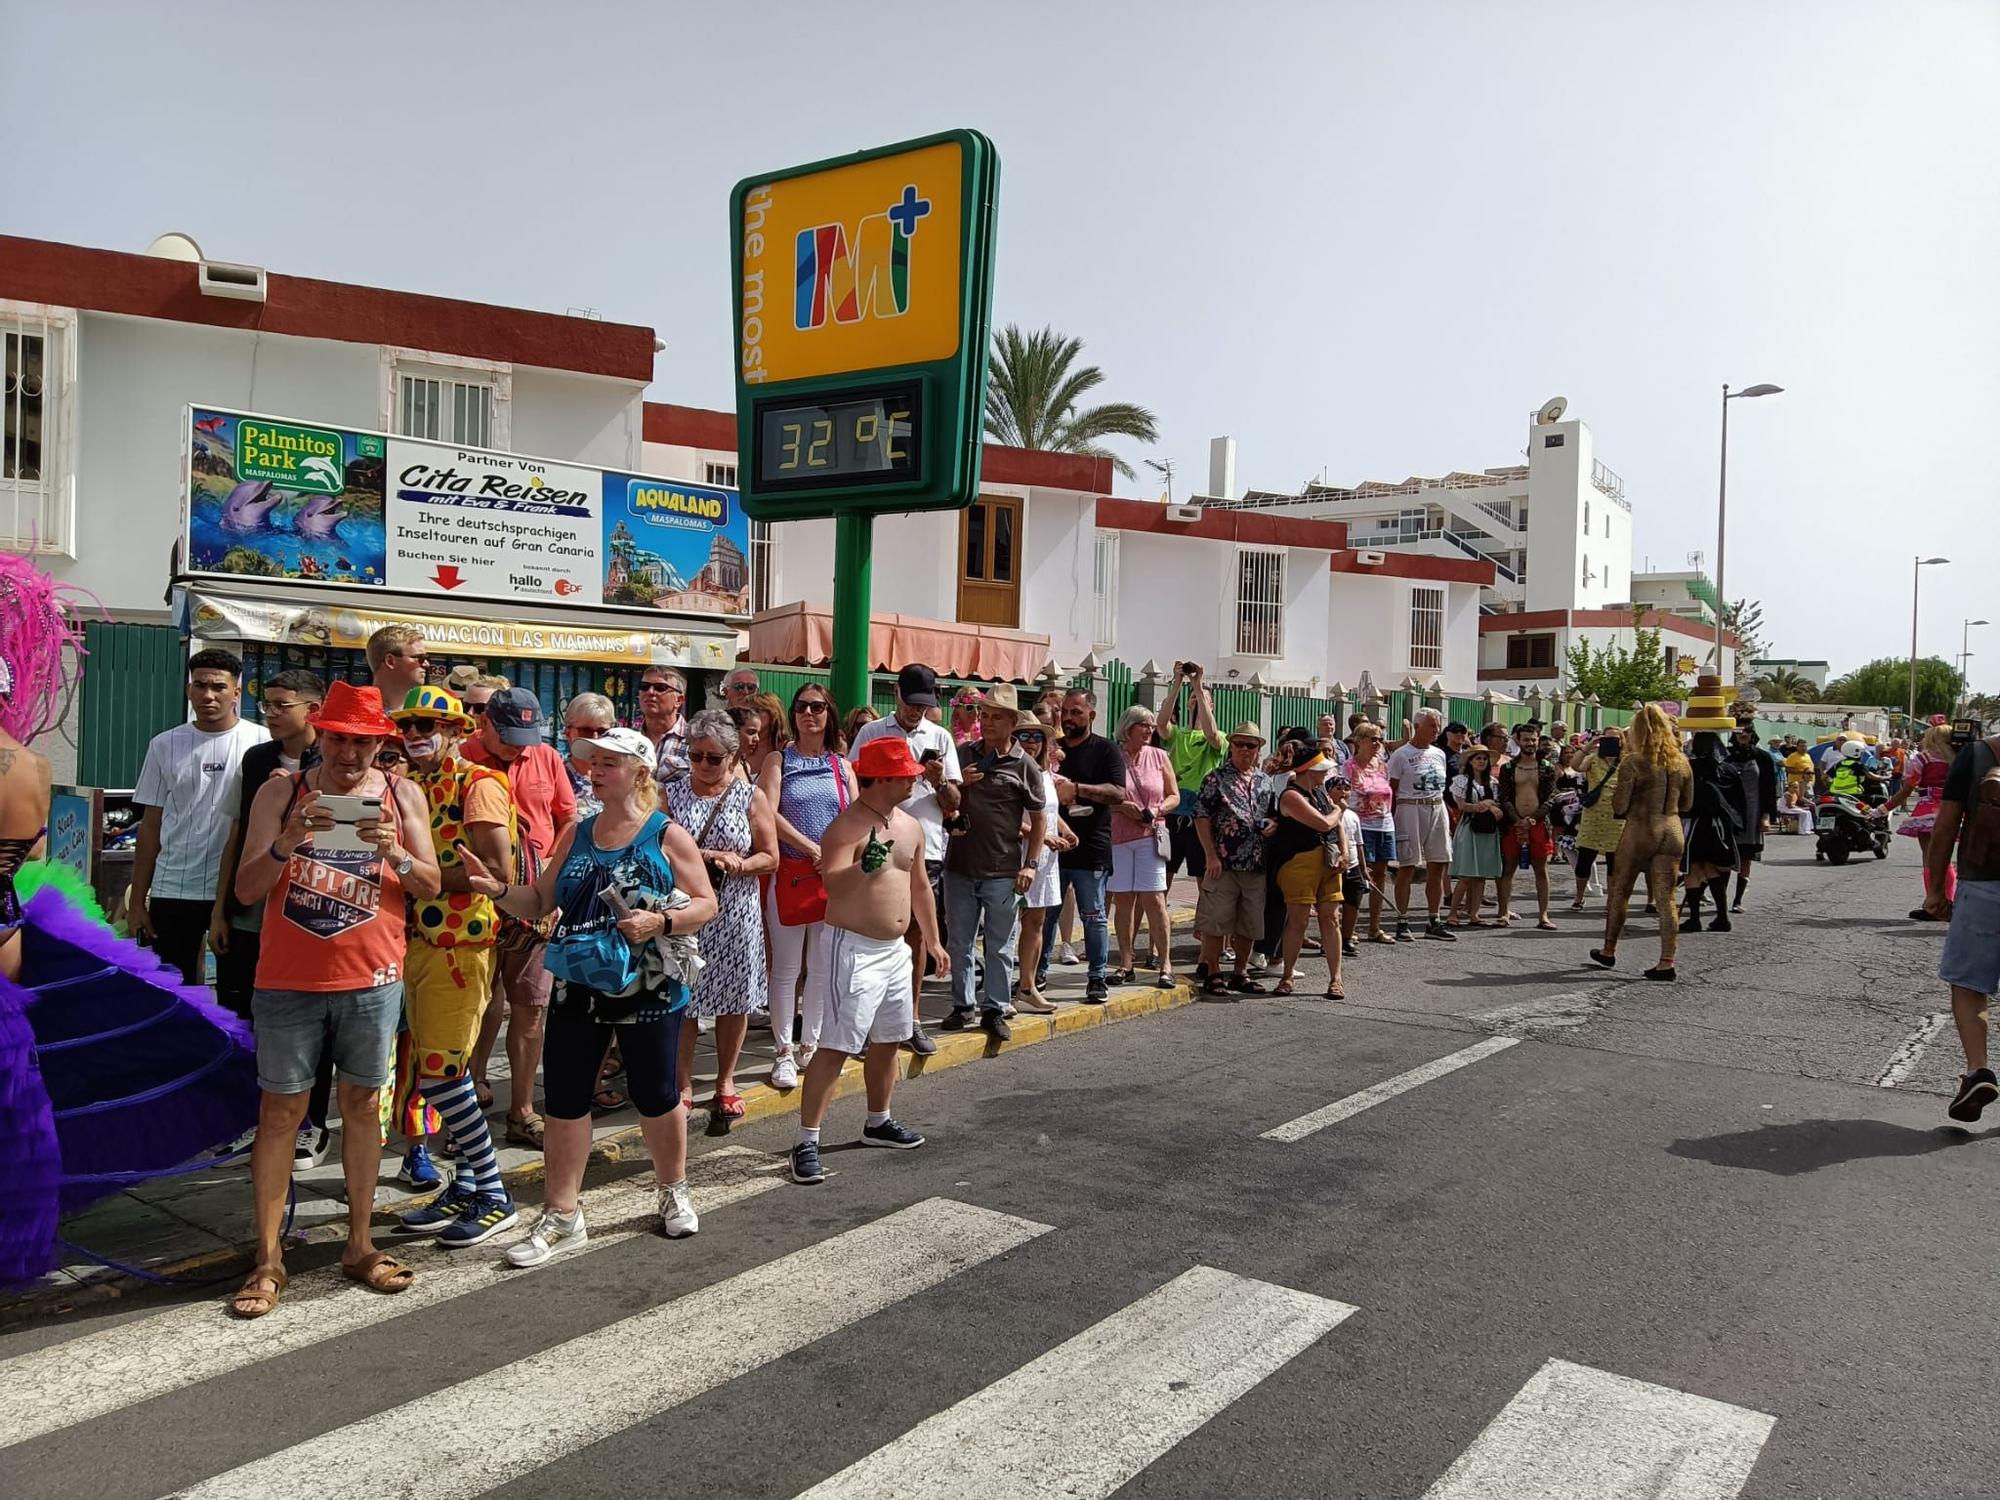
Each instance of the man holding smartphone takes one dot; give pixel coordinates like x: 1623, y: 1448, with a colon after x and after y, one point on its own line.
x: 330, y: 970
x: 933, y: 799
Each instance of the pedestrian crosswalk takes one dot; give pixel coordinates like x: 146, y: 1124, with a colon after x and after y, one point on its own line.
x: 1107, y: 1404
x: 100, y: 1373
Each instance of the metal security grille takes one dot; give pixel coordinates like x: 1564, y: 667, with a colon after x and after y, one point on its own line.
x: 1104, y: 586
x: 449, y: 411
x: 1426, y: 630
x: 1260, y: 603
x: 35, y: 512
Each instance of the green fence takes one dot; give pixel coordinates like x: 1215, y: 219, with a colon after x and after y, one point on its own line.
x: 134, y: 686
x: 1117, y: 693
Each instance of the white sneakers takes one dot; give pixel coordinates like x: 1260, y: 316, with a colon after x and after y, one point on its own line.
x: 1065, y: 955
x: 552, y: 1236
x: 785, y: 1071
x: 677, y: 1215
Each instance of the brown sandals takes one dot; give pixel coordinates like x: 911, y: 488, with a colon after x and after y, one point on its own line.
x: 379, y: 1271
x: 252, y: 1300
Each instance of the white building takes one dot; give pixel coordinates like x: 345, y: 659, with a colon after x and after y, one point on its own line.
x: 1558, y: 529
x: 1049, y: 565
x: 104, y: 353
x: 1688, y: 594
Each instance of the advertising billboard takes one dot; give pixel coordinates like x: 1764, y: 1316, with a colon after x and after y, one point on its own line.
x: 272, y: 497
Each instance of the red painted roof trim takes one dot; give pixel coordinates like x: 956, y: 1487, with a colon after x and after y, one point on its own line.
x: 697, y: 427
x: 1245, y: 526
x: 1417, y: 565
x: 144, y: 286
x: 1616, y: 619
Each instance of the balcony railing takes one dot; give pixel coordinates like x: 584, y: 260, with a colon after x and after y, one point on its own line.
x: 1608, y: 482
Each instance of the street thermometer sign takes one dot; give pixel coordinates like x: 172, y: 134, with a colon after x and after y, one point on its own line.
x: 863, y: 294
x: 864, y: 290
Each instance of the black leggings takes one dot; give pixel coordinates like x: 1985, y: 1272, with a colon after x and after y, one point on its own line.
x: 1586, y: 861
x: 573, y: 1048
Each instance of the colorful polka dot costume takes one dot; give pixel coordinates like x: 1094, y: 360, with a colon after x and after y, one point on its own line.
x: 455, y: 918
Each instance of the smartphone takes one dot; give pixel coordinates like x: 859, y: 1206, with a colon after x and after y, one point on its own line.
x: 346, y: 813
x: 929, y: 756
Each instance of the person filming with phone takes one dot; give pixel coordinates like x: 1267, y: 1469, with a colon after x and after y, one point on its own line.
x: 333, y: 854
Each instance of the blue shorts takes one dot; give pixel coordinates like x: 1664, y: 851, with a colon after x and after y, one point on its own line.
x: 1972, y: 941
x: 1378, y: 846
x: 294, y: 1027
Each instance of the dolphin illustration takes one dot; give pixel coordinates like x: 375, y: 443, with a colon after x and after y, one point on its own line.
x: 249, y: 506
x: 321, y: 469
x: 320, y: 516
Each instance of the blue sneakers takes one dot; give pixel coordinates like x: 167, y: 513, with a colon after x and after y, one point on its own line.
x: 418, y: 1173
x: 484, y: 1216
x: 889, y: 1133
x: 805, y: 1163
x: 440, y: 1211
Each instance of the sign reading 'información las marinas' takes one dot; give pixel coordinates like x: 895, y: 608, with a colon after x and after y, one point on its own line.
x: 272, y: 498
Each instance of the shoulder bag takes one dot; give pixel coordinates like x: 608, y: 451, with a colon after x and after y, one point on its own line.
x: 799, y: 893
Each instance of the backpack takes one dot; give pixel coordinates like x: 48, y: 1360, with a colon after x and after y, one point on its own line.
x: 1979, y: 843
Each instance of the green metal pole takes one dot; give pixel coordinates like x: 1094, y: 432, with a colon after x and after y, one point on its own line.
x: 852, y: 591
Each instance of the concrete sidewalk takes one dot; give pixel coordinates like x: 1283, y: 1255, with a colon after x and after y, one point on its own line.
x: 193, y: 1227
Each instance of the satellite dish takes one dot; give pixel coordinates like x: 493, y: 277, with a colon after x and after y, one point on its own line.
x: 1552, y: 412
x: 173, y: 245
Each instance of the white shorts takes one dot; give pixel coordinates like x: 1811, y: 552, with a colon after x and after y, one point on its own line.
x: 1137, y: 866
x: 1047, y: 889
x: 1423, y: 834
x: 867, y: 989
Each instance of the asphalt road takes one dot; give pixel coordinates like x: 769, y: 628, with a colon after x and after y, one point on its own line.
x: 1640, y: 1240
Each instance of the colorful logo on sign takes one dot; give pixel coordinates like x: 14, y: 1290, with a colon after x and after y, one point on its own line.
x: 865, y: 275
x: 306, y: 459
x: 843, y: 243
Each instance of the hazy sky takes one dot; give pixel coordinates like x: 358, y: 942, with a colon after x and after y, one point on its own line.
x: 1364, y: 240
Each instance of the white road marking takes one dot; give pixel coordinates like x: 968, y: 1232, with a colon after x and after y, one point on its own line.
x: 1103, y: 1405
x: 97, y: 1373
x: 1402, y: 1083
x: 1574, y: 1433
x: 1903, y: 1061
x: 481, y: 1433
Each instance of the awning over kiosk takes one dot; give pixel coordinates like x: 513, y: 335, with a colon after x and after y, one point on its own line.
x: 344, y: 621
x: 802, y: 634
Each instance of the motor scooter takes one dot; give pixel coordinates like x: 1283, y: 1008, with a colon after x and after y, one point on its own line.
x: 1851, y: 825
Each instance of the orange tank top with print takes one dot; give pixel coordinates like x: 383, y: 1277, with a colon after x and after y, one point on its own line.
x: 335, y: 920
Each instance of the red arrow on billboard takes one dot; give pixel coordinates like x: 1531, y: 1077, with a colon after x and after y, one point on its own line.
x: 446, y: 576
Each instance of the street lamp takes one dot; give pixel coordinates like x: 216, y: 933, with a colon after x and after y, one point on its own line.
x: 1965, y: 654
x: 1722, y: 508
x: 1916, y: 583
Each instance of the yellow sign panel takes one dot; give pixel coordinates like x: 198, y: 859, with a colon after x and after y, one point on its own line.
x: 854, y: 268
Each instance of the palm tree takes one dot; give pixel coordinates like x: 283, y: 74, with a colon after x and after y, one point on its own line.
x: 1786, y: 686
x: 1032, y: 390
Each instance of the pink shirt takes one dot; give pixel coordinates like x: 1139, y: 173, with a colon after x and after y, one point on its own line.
x: 1145, y: 784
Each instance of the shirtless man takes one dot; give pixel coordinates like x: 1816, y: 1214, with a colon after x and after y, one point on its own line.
x: 1526, y: 786
x: 872, y: 861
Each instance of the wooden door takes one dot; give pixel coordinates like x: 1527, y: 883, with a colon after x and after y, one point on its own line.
x: 989, y: 562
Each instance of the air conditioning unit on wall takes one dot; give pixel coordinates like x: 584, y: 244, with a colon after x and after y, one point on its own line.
x: 1371, y: 557
x: 1185, y: 513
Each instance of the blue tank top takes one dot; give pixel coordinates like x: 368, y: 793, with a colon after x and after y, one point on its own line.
x: 587, y: 870
x: 811, y: 796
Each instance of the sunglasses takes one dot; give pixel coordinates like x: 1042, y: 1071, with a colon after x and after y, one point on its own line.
x: 422, y: 661
x: 742, y: 687
x: 477, y: 710
x: 708, y: 757
x: 659, y: 687
x: 421, y: 726
x: 811, y: 706
x: 386, y: 758
x: 1031, y: 734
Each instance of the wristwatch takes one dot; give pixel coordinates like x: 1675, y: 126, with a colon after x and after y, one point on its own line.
x: 406, y: 864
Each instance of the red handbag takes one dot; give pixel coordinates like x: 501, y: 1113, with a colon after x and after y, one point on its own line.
x: 800, y: 894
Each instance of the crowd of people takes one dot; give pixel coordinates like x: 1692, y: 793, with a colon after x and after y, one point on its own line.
x: 390, y: 875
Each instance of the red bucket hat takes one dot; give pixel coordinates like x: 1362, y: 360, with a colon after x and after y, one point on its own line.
x: 886, y: 759
x: 354, y: 710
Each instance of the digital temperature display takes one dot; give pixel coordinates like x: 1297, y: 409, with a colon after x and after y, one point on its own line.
x: 843, y: 440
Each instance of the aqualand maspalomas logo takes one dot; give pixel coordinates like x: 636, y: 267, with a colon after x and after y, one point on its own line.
x: 845, y: 277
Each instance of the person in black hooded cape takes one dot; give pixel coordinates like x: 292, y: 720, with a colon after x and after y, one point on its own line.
x: 1755, y: 800
x: 1712, y: 831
